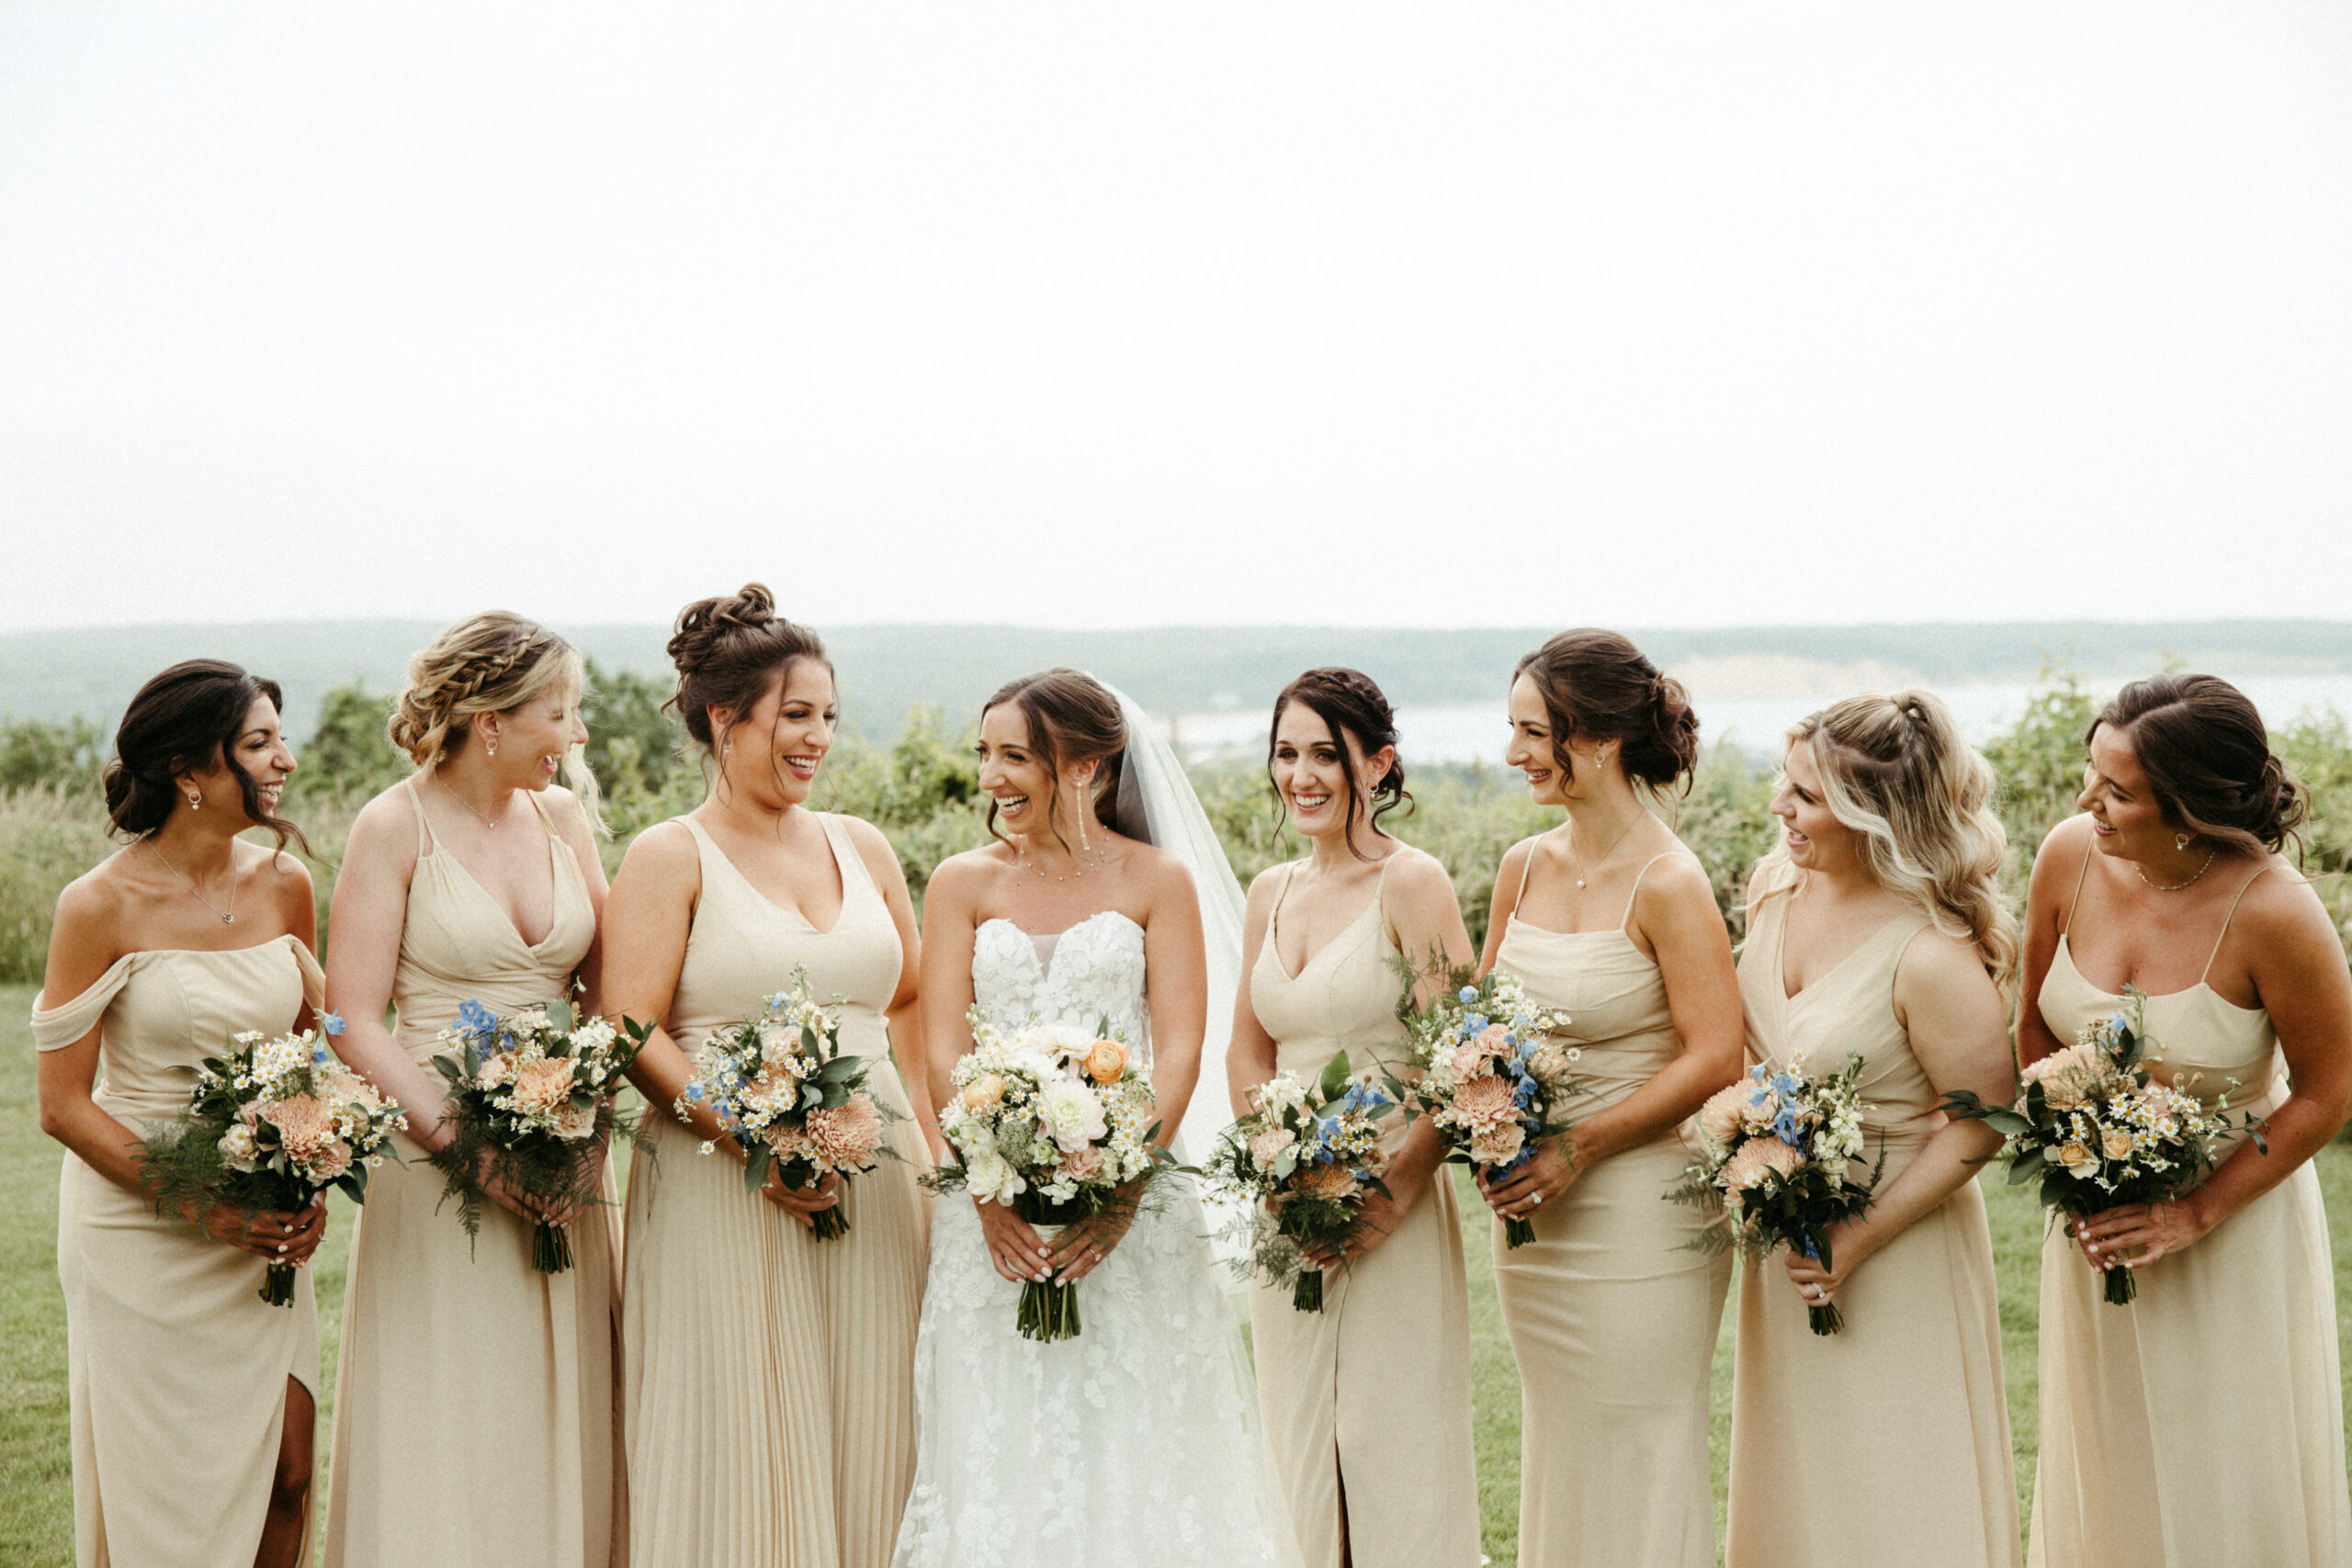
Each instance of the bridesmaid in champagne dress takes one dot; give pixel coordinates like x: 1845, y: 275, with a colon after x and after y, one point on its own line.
x: 192, y: 1399
x: 1366, y: 1403
x: 2203, y: 1422
x: 770, y: 1392
x: 1612, y: 1314
x: 474, y: 1400
x: 1877, y: 929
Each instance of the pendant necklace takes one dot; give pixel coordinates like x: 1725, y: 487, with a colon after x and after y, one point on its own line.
x: 1603, y: 857
x: 453, y: 794
x: 229, y: 919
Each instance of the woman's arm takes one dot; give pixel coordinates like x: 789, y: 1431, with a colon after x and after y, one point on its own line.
x: 1509, y: 876
x: 903, y: 1017
x: 1175, y: 955
x: 364, y: 927
x: 1250, y: 1051
x: 2298, y: 968
x: 1957, y: 1025
x: 2057, y: 872
x: 580, y: 840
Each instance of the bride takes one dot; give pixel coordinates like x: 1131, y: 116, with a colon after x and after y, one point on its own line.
x: 1137, y: 1441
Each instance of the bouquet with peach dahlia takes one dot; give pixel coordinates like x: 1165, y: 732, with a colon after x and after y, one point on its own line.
x: 1777, y: 1148
x: 270, y: 1125
x: 789, y: 1095
x: 2101, y: 1131
x: 531, y: 1104
x: 1303, y: 1160
x: 1491, y: 1078
x: 1058, y: 1124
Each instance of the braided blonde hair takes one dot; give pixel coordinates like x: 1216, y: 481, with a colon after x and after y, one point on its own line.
x: 1897, y: 771
x: 494, y: 662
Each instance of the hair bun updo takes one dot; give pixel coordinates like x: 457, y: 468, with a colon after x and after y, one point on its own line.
x: 727, y: 650
x: 2206, y: 754
x: 1597, y: 686
x: 1349, y: 702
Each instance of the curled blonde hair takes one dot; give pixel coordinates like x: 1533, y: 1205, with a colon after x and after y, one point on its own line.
x: 494, y: 662
x: 1896, y: 771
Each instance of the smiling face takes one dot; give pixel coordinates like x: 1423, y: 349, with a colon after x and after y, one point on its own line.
x: 1019, y: 777
x: 771, y: 753
x: 1534, y: 748
x: 534, y: 736
x: 261, y: 754
x: 2126, y: 821
x: 1817, y: 840
x: 1312, y: 773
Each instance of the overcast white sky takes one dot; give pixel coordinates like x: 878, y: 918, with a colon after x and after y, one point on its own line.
x: 1651, y: 313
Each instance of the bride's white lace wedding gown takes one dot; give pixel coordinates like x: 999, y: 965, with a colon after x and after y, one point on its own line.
x: 1136, y: 1444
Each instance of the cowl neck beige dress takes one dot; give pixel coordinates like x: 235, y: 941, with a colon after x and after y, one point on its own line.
x: 175, y: 1367
x: 1889, y: 1441
x: 1612, y: 1314
x: 1367, y: 1403
x: 770, y: 1387
x: 474, y: 1417
x: 2203, y: 1424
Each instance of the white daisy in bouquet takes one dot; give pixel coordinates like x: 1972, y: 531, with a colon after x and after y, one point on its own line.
x: 271, y: 1123
x: 791, y: 1097
x: 1778, y: 1152
x: 1057, y: 1124
x: 1302, y: 1161
x: 533, y: 1102
x: 2101, y: 1131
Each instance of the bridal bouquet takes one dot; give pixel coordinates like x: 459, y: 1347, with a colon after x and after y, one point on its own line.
x: 1053, y: 1122
x: 531, y: 1101
x: 1491, y: 1079
x: 270, y: 1125
x: 1310, y: 1156
x: 787, y: 1093
x: 1776, y: 1148
x: 2100, y: 1131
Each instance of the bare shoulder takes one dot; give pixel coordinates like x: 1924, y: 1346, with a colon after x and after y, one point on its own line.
x: 2280, y: 905
x: 283, y: 875
x: 875, y: 848
x: 563, y: 808
x: 1269, y: 881
x: 1416, y: 874
x: 1677, y: 880
x: 2064, y: 848
x: 1935, y: 960
x: 1157, y: 871
x: 95, y: 901
x: 666, y: 849
x: 387, y: 823
x: 963, y: 876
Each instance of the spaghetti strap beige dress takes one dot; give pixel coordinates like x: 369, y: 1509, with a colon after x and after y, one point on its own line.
x: 1889, y: 1441
x: 1612, y: 1316
x: 770, y: 1390
x: 175, y: 1367
x: 1367, y: 1403
x: 474, y: 1397
x: 2203, y: 1424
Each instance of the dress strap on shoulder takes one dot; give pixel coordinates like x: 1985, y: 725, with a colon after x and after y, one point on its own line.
x: 2232, y: 915
x: 423, y: 823
x: 1636, y: 892
x: 1290, y: 874
x: 2075, y: 902
x: 1525, y: 867
x: 854, y: 872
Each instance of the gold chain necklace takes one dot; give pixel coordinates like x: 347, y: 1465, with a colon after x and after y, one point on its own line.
x: 453, y: 794
x: 2176, y: 887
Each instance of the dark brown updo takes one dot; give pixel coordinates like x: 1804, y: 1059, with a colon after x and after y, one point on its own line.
x: 1348, y: 703
x: 728, y: 652
x: 181, y: 720
x: 2208, y: 758
x: 1071, y: 718
x: 1597, y: 686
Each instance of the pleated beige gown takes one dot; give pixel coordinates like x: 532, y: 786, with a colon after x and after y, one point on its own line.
x: 1612, y: 1316
x: 475, y: 1416
x: 175, y: 1367
x: 1367, y: 1403
x: 2203, y: 1424
x: 1889, y: 1441
x: 770, y: 1390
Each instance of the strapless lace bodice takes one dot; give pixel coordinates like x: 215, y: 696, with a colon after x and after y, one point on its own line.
x: 1089, y: 973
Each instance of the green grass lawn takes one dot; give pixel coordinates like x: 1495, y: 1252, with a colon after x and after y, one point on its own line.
x: 36, y: 1500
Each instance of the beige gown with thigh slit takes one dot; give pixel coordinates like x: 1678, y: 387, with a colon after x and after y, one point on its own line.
x: 770, y: 1389
x: 475, y: 1416
x: 1367, y: 1403
x: 175, y: 1367
x: 2203, y: 1424
x: 1889, y: 1441
x: 1612, y: 1316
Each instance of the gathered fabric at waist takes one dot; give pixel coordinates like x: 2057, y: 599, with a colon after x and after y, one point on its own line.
x: 1609, y: 1070
x: 424, y: 1013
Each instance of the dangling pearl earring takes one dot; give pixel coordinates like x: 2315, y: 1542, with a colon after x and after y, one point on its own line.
x: 2182, y: 840
x: 490, y: 748
x: 195, y: 800
x: 1085, y: 844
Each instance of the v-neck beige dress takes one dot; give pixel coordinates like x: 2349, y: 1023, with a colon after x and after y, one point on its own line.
x: 1367, y: 1403
x: 474, y: 1397
x: 770, y: 1388
x: 1887, y: 1442
x: 175, y: 1367
x: 1610, y: 1312
x: 2203, y: 1424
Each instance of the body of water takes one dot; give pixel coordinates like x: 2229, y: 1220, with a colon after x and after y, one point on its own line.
x: 1756, y: 724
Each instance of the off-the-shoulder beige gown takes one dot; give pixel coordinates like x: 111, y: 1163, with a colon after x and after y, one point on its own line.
x: 1889, y: 1441
x: 770, y: 1387
x: 2203, y: 1424
x: 175, y: 1367
x: 1367, y: 1403
x: 1612, y: 1314
x: 475, y: 1415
